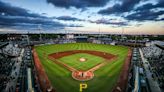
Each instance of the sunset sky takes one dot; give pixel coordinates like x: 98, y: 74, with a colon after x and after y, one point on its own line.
x: 86, y: 16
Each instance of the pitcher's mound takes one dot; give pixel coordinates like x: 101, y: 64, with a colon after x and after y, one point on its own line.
x: 82, y: 59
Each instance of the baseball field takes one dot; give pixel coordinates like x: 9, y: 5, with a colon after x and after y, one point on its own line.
x: 59, y: 61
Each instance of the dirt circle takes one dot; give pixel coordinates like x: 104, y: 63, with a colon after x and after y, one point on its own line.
x: 82, y: 59
x: 82, y: 75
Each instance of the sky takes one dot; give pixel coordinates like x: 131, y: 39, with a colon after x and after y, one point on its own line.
x: 82, y: 16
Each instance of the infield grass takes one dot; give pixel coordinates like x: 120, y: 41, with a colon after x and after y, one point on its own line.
x: 73, y: 61
x: 105, y: 77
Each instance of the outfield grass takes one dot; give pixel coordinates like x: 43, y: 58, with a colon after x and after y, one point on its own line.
x: 73, y: 61
x: 105, y: 78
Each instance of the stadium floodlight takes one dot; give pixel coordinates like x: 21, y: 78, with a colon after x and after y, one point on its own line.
x: 39, y: 28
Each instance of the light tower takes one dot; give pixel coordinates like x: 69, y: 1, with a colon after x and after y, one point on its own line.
x: 39, y: 28
x: 99, y: 34
x: 28, y: 40
x: 122, y: 32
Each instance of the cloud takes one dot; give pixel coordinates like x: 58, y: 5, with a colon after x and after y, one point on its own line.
x: 26, y: 24
x: 68, y: 18
x: 78, y: 3
x: 75, y: 25
x: 125, y: 6
x: 19, y: 18
x: 145, y: 12
x: 108, y: 22
x: 149, y: 6
x: 7, y: 9
x: 145, y: 15
x: 148, y: 12
x: 11, y: 15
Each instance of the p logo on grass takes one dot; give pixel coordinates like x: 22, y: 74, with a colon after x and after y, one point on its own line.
x: 83, y: 86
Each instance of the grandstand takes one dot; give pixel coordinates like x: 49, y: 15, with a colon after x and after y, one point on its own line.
x: 18, y: 71
x: 155, y: 58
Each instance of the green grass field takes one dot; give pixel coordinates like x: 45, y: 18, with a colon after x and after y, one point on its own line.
x: 73, y: 60
x: 105, y: 78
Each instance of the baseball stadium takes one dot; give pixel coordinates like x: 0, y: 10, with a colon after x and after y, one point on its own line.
x: 75, y: 63
x: 81, y: 45
x: 65, y: 66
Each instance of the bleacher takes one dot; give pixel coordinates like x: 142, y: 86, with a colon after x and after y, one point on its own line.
x: 6, y: 65
x: 155, y: 56
x: 11, y: 50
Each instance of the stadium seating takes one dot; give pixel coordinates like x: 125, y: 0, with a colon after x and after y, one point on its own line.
x: 155, y: 56
x: 11, y: 50
x: 5, y: 71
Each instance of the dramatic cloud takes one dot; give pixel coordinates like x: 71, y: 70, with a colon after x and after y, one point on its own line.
x: 68, y: 18
x: 16, y: 20
x: 68, y: 13
x: 19, y: 18
x: 145, y: 15
x: 149, y: 6
x: 7, y: 9
x: 125, y: 6
x: 78, y: 3
x: 109, y: 22
x: 145, y: 12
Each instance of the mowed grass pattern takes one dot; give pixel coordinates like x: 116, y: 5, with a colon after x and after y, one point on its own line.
x: 105, y: 78
x: 73, y: 61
